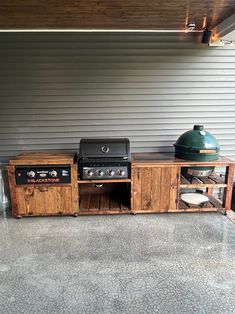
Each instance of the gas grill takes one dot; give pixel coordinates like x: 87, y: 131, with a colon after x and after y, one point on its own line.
x: 104, y: 159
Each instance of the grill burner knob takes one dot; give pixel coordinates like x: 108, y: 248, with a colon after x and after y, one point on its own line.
x: 111, y: 173
x: 89, y: 173
x: 121, y: 173
x: 31, y: 174
x: 53, y: 173
x: 100, y: 173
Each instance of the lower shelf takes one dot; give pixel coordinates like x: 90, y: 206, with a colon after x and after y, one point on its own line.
x: 102, y: 204
x: 212, y: 205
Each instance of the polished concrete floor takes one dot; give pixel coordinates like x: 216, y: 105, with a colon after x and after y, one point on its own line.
x: 175, y: 263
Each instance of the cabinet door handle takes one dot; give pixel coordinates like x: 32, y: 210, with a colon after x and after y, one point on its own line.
x: 43, y: 189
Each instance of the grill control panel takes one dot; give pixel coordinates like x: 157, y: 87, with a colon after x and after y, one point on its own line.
x: 43, y: 175
x: 94, y: 171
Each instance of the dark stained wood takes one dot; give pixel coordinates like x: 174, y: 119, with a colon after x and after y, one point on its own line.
x: 85, y: 202
x: 141, y: 160
x: 104, y: 202
x: 165, y: 189
x: 12, y: 184
x: 217, y: 179
x: 48, y: 199
x: 43, y: 158
x: 196, y: 181
x: 114, y: 204
x: 229, y: 189
x: 174, y: 188
x: 207, y: 182
x: 106, y: 14
x: 183, y: 180
x: 183, y: 205
x: 75, y: 188
x: 146, y: 184
x: 136, y: 190
x: 94, y: 202
x: 155, y: 189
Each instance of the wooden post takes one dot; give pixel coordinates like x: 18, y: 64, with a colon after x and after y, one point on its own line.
x: 229, y: 189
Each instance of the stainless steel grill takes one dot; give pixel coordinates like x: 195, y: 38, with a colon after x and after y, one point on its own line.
x: 103, y: 159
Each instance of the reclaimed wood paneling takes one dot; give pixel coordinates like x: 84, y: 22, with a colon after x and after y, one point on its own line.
x: 106, y: 14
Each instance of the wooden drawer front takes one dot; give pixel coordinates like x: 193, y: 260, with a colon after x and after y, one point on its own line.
x: 43, y: 200
x: 155, y: 188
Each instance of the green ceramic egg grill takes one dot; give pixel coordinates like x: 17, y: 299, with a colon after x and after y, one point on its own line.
x: 197, y: 145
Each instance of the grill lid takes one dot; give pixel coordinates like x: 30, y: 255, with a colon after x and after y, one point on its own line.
x: 197, y: 144
x: 91, y: 148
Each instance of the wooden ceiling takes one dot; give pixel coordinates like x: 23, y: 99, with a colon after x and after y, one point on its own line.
x: 112, y: 14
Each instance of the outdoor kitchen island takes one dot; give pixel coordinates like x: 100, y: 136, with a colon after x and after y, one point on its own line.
x: 50, y: 184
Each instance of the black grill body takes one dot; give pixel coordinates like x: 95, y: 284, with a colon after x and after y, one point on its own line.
x: 104, y: 159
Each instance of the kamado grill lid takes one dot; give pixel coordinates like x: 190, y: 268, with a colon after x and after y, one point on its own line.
x: 197, y: 144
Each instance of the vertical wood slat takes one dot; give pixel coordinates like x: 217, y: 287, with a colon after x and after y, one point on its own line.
x: 174, y: 186
x: 94, y: 202
x: 85, y: 202
x: 165, y: 189
x: 146, y: 184
x: 229, y: 189
x: 156, y: 188
x: 75, y: 188
x: 12, y: 184
x: 136, y: 188
x: 104, y: 202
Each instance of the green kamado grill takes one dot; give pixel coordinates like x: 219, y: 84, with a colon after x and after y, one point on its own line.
x: 197, y: 145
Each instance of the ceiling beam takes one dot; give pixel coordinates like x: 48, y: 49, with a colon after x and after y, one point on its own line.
x: 225, y: 27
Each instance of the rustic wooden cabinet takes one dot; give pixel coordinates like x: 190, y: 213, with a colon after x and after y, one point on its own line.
x: 157, y: 184
x: 41, y: 198
x: 155, y: 188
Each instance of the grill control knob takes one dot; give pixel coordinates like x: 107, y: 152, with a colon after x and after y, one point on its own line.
x: 89, y: 173
x: 111, y: 173
x: 100, y: 173
x: 53, y: 173
x: 31, y: 174
x: 121, y: 172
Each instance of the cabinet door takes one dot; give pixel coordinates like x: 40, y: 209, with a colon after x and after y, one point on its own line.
x: 43, y: 200
x: 155, y: 189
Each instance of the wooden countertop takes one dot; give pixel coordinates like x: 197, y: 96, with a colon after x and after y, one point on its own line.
x: 139, y: 159
x: 44, y: 158
x: 169, y: 159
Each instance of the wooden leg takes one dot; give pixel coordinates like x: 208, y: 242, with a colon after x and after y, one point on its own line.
x: 229, y: 189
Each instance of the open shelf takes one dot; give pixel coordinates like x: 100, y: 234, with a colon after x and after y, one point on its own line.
x: 212, y: 205
x: 102, y: 197
x: 102, y: 204
x: 210, y: 181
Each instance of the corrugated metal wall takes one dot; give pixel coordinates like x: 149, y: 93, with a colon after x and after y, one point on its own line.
x: 58, y: 87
